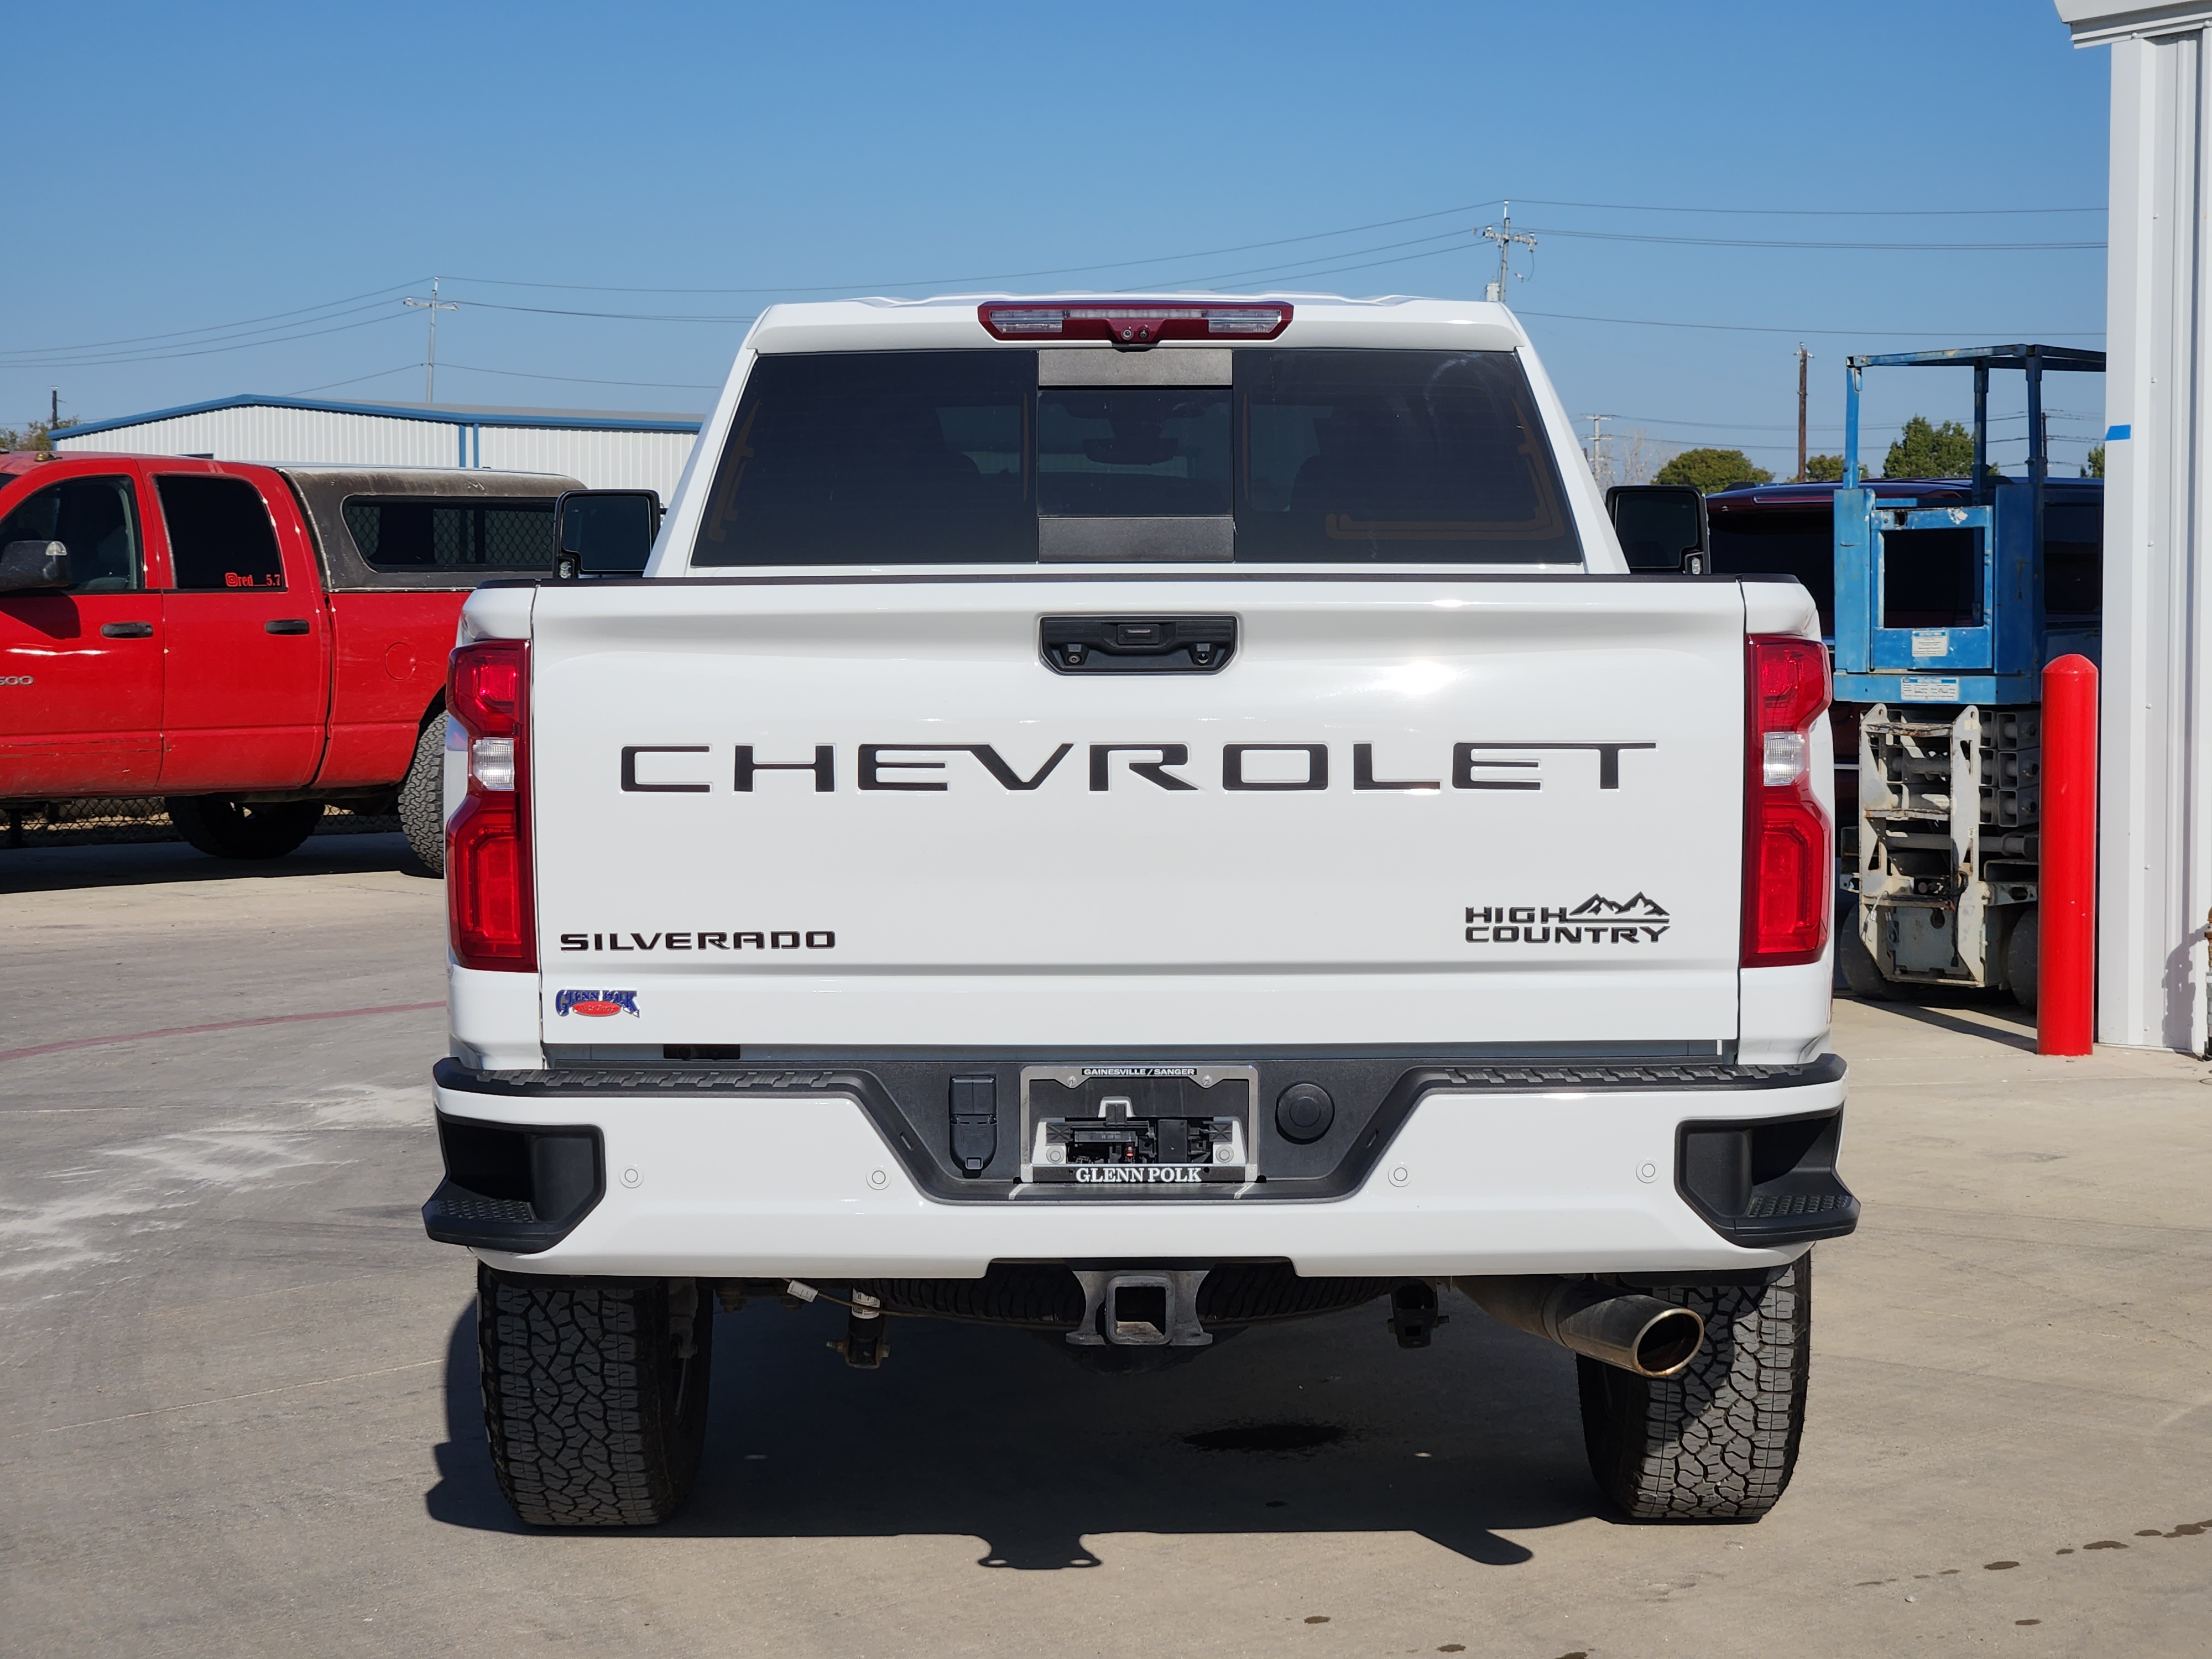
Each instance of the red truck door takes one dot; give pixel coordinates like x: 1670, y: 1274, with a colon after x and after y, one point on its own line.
x: 81, y: 671
x: 247, y: 681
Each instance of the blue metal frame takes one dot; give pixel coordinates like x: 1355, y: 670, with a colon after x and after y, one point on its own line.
x: 464, y: 418
x: 1999, y: 660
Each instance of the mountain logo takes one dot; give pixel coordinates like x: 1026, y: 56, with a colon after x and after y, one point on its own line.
x: 1597, y: 921
x: 1597, y: 904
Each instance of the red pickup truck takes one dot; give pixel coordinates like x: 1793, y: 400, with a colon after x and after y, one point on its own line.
x: 251, y: 644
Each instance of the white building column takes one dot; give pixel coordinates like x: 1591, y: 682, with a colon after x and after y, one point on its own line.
x: 2155, y: 876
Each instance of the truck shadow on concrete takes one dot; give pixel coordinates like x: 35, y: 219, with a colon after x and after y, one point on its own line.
x: 139, y: 864
x: 1323, y: 1426
x: 1991, y: 1016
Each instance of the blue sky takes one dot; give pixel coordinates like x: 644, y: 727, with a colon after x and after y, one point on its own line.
x: 181, y: 169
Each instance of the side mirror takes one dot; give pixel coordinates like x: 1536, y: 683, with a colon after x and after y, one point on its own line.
x: 603, y: 532
x: 1662, y: 528
x: 28, y: 565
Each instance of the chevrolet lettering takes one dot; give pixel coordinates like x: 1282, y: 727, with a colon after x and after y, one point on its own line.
x: 1490, y: 764
x: 1131, y: 819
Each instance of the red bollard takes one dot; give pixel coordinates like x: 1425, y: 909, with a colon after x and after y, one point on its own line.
x: 2066, y: 943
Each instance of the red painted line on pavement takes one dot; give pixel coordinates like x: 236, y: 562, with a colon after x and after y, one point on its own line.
x: 219, y: 1025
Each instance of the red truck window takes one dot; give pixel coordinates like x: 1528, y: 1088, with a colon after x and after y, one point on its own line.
x: 220, y: 536
x: 94, y: 519
x: 415, y: 532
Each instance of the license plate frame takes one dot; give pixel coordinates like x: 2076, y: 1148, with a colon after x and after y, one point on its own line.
x: 1144, y: 1088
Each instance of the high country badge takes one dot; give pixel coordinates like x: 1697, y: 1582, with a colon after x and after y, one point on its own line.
x: 1596, y: 921
x: 595, y: 1004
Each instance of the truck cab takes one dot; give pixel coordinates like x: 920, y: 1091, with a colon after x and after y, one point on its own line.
x: 251, y: 645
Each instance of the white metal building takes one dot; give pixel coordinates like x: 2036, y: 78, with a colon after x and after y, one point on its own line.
x: 2155, y: 831
x: 607, y: 451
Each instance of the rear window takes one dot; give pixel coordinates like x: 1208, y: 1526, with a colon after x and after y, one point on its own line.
x: 401, y: 533
x: 1780, y: 542
x: 1337, y: 457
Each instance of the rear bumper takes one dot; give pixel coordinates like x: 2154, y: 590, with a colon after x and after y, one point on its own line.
x: 1492, y: 1171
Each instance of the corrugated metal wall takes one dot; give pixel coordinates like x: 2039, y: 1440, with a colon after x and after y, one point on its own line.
x: 603, y: 459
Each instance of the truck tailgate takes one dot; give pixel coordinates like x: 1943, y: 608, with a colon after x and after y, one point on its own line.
x: 997, y: 854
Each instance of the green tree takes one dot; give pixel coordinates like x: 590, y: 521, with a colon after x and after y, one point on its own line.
x: 39, y: 435
x: 2094, y: 467
x: 1925, y: 451
x: 1709, y: 469
x: 1824, y: 469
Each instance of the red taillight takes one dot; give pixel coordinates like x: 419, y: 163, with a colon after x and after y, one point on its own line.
x: 492, y: 921
x: 1132, y: 322
x: 1788, y: 841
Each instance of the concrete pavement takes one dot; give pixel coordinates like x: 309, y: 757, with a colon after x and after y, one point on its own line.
x: 240, y: 1410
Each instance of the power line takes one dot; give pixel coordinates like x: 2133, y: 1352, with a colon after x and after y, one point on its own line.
x: 1004, y: 276
x: 1880, y: 333
x: 358, y: 379
x: 622, y: 316
x: 1817, y: 426
x: 585, y: 379
x: 1815, y: 213
x: 246, y: 325
x: 1855, y: 246
x: 1286, y: 241
x: 208, y: 351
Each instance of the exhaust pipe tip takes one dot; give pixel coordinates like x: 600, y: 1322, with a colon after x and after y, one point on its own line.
x: 1638, y: 1332
x: 1667, y: 1343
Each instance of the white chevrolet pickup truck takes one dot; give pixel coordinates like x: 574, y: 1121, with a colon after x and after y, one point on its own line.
x: 1133, y: 819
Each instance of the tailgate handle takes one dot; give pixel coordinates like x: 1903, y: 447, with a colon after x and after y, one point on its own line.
x: 1139, y: 644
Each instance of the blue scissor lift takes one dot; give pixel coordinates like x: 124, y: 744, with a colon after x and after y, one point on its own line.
x: 1950, y: 731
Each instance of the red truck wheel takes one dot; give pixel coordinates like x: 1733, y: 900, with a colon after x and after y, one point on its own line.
x: 422, y: 798
x: 224, y: 828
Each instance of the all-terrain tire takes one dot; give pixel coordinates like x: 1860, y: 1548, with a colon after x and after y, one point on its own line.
x: 226, y: 828
x: 2019, y: 957
x: 594, y: 1394
x: 1717, y: 1442
x: 423, y: 797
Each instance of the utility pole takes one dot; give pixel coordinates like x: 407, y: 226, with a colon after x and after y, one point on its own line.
x: 54, y: 408
x: 1803, y: 357
x: 433, y: 306
x: 1505, y: 237
x: 1596, y: 453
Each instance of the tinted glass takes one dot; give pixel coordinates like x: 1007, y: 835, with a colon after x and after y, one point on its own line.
x: 907, y: 458
x: 1150, y: 452
x: 1780, y: 542
x: 416, y: 532
x: 220, y: 536
x: 1656, y: 528
x: 1406, y: 456
x: 95, y: 519
x: 610, y: 535
x: 1931, y: 579
x: 878, y: 458
x: 2073, y: 558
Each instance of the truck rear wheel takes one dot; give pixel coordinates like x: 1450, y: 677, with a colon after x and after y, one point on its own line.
x: 594, y: 1394
x: 423, y: 797
x: 226, y: 828
x: 1717, y: 1442
x: 1862, y: 975
x: 2019, y: 957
